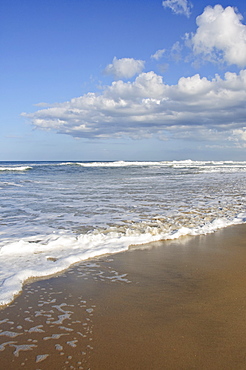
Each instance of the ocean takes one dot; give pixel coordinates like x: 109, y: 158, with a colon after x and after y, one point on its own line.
x: 54, y: 214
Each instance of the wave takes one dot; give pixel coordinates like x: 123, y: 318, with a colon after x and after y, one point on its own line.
x: 183, y: 163
x: 112, y: 164
x: 16, y: 168
x: 119, y: 164
x: 48, y: 255
x: 3, y: 184
x: 198, y: 166
x: 179, y: 164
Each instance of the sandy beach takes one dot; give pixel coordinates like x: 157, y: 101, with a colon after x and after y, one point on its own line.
x: 169, y: 305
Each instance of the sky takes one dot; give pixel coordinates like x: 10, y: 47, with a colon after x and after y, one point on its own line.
x: 107, y: 80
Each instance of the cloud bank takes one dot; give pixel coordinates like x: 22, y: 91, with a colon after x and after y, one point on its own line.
x: 178, y: 6
x: 147, y: 106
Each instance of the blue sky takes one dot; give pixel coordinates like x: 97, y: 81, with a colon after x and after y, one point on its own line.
x: 123, y: 80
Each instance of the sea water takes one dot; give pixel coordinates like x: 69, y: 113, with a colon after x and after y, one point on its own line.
x: 53, y: 214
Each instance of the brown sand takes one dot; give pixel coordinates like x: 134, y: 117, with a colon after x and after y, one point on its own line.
x: 182, y: 305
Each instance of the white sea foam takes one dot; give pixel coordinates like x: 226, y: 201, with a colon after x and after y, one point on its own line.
x: 11, y: 334
x: 63, y: 213
x: 15, y: 168
x: 118, y: 164
x: 30, y: 259
x: 41, y: 358
x: 36, y: 329
x: 22, y: 347
x: 208, y: 165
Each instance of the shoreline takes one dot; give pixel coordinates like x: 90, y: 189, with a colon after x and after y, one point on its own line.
x: 176, y: 304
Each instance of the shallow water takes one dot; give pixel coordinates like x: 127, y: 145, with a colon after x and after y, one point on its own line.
x: 54, y: 214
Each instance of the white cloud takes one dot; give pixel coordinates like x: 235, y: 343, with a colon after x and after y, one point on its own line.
x: 124, y: 67
x: 239, y: 136
x: 176, y: 51
x: 178, y: 6
x: 221, y: 36
x: 158, y: 54
x: 147, y: 106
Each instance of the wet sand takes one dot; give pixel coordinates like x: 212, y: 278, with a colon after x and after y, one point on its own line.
x: 174, y: 305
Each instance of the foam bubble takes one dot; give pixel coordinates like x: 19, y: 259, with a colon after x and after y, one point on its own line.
x: 41, y: 358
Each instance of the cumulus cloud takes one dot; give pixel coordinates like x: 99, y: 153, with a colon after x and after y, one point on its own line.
x: 147, y: 106
x: 178, y: 6
x: 158, y: 54
x: 124, y: 67
x: 221, y: 36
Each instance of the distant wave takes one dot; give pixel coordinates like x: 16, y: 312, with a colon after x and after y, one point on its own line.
x: 118, y: 164
x: 200, y: 166
x: 112, y: 164
x: 19, y: 168
x: 209, y: 166
x: 124, y: 163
